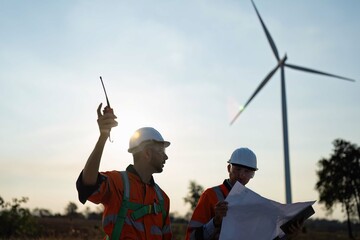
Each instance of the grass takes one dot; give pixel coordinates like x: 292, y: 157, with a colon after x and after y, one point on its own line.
x: 62, y: 228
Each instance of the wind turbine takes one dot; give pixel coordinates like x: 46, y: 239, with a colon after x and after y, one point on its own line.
x: 281, y: 63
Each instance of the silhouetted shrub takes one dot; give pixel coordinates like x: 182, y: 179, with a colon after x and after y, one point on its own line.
x: 16, y: 221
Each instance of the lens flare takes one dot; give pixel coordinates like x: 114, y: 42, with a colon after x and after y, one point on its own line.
x: 233, y: 108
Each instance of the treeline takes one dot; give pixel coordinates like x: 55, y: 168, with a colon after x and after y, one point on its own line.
x: 323, y: 225
x: 17, y: 221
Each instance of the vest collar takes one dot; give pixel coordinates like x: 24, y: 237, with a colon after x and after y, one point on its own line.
x: 132, y: 170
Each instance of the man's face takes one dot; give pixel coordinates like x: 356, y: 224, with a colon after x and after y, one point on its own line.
x: 158, y: 157
x: 240, y: 174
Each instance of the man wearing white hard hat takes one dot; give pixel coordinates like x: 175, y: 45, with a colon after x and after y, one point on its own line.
x: 135, y: 207
x: 207, y: 217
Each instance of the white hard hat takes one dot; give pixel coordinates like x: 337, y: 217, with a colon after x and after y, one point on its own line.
x: 244, y: 157
x: 145, y: 135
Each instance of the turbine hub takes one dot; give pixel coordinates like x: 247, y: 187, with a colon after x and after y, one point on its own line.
x: 282, y: 61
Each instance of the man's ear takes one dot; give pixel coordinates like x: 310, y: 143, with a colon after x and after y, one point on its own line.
x: 147, y: 152
x: 228, y: 167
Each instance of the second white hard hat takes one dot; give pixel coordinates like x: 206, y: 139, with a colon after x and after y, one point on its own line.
x: 145, y: 135
x: 244, y: 157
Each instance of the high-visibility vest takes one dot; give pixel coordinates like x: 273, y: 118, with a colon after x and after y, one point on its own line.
x: 139, y: 210
x: 204, y: 210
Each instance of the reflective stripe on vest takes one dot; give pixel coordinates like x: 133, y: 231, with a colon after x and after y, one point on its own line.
x: 220, y: 197
x: 219, y: 194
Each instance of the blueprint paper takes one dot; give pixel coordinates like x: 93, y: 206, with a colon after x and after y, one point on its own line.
x: 251, y: 216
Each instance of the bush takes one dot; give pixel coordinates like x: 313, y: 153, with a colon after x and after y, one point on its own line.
x: 16, y: 221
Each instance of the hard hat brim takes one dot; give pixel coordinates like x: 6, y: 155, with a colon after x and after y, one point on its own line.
x: 145, y: 143
x: 240, y: 165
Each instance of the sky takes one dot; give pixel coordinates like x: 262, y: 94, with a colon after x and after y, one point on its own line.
x: 184, y: 68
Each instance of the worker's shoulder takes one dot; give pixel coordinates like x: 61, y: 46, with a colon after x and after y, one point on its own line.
x: 111, y: 173
x: 112, y: 176
x: 211, y: 190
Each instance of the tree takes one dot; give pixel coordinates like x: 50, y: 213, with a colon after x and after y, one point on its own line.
x: 71, y: 208
x: 71, y: 211
x: 41, y: 212
x: 93, y: 215
x: 339, y: 180
x: 194, y: 194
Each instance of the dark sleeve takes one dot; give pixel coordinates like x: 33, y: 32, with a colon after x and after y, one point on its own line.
x: 85, y: 191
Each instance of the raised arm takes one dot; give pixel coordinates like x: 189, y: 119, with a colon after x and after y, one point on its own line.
x: 105, y: 121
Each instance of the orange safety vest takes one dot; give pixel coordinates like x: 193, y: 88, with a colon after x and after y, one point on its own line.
x: 151, y: 225
x: 204, y: 210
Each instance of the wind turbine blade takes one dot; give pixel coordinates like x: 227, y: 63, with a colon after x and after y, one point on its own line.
x: 271, y: 41
x: 237, y: 115
x: 317, y: 72
x: 262, y: 84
